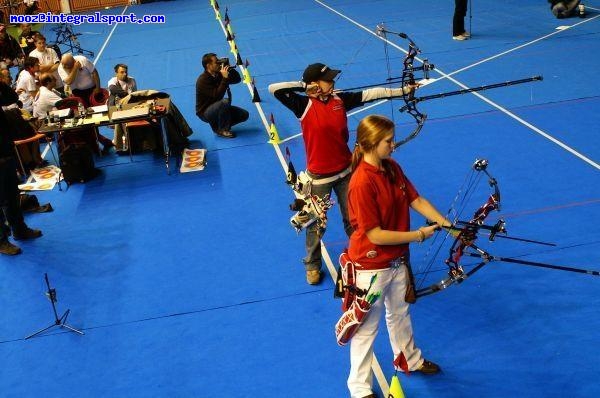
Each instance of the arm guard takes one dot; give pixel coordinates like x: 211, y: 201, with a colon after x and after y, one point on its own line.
x: 376, y: 93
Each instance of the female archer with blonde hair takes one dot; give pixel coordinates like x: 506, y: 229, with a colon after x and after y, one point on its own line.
x: 379, y: 198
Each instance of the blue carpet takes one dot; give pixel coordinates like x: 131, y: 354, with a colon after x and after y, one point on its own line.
x: 192, y: 285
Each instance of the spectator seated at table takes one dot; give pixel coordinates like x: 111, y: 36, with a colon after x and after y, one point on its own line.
x: 26, y: 85
x: 136, y: 136
x: 47, y: 96
x: 120, y: 85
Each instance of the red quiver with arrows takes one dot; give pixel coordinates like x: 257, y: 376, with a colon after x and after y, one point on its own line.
x: 356, y: 302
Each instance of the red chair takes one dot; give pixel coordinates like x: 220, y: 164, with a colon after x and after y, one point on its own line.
x: 99, y: 98
x: 70, y: 103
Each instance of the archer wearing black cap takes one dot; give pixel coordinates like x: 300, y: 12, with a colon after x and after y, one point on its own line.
x: 315, y: 72
x: 322, y: 116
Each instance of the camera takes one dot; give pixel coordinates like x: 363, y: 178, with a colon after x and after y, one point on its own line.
x: 225, y: 61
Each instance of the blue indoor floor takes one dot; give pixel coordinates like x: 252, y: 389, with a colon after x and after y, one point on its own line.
x: 192, y: 284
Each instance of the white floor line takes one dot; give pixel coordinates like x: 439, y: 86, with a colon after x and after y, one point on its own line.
x: 108, y: 39
x: 258, y: 106
x: 488, y: 101
x: 43, y: 155
x: 377, y: 371
x: 290, y: 138
x: 327, y: 259
x: 520, y: 47
x: 45, y: 151
x: 381, y: 379
x: 364, y: 108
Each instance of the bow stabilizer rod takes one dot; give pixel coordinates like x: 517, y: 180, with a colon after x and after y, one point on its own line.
x: 533, y: 263
x: 473, y: 89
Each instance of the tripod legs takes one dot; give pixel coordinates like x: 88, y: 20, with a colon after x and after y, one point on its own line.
x: 60, y: 322
x: 63, y: 323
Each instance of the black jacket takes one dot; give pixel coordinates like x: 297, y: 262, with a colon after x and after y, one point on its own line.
x: 210, y: 89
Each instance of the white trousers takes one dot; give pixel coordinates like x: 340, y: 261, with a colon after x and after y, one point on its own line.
x: 392, y: 284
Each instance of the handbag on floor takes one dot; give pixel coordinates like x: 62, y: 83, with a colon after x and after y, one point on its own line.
x: 77, y: 163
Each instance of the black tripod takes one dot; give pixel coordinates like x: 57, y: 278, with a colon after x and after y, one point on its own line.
x: 65, y: 35
x: 60, y: 322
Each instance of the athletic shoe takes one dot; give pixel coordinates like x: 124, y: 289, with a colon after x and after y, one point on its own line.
x: 226, y: 134
x: 8, y: 248
x: 26, y: 233
x: 428, y: 368
x: 313, y: 276
x: 460, y: 37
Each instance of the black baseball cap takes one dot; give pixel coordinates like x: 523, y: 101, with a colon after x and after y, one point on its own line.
x: 318, y: 71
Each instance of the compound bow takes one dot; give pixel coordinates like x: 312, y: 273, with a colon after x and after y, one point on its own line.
x: 408, y: 78
x: 465, y: 234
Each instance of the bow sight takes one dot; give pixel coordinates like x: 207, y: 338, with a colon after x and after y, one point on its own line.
x: 465, y: 235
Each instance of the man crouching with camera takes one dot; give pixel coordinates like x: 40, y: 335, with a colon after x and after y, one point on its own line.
x: 211, y: 87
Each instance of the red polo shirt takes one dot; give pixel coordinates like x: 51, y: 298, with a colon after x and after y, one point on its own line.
x: 325, y: 133
x: 374, y: 201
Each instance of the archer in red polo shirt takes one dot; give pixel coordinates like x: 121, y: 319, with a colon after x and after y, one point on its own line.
x: 322, y: 114
x: 379, y: 199
x: 375, y: 202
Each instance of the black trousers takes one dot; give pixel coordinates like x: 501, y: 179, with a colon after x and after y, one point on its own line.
x: 10, y: 208
x: 458, y: 22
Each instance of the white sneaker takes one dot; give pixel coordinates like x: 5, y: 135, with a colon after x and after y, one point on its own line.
x: 460, y: 37
x: 466, y: 34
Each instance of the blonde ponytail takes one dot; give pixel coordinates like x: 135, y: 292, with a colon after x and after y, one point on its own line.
x: 357, y: 156
x: 369, y: 133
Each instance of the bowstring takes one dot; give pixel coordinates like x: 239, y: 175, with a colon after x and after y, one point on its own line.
x: 389, y: 72
x: 470, y: 182
x: 364, y: 43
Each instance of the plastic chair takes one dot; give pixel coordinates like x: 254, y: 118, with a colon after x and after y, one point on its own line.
x: 70, y: 103
x: 99, y: 98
